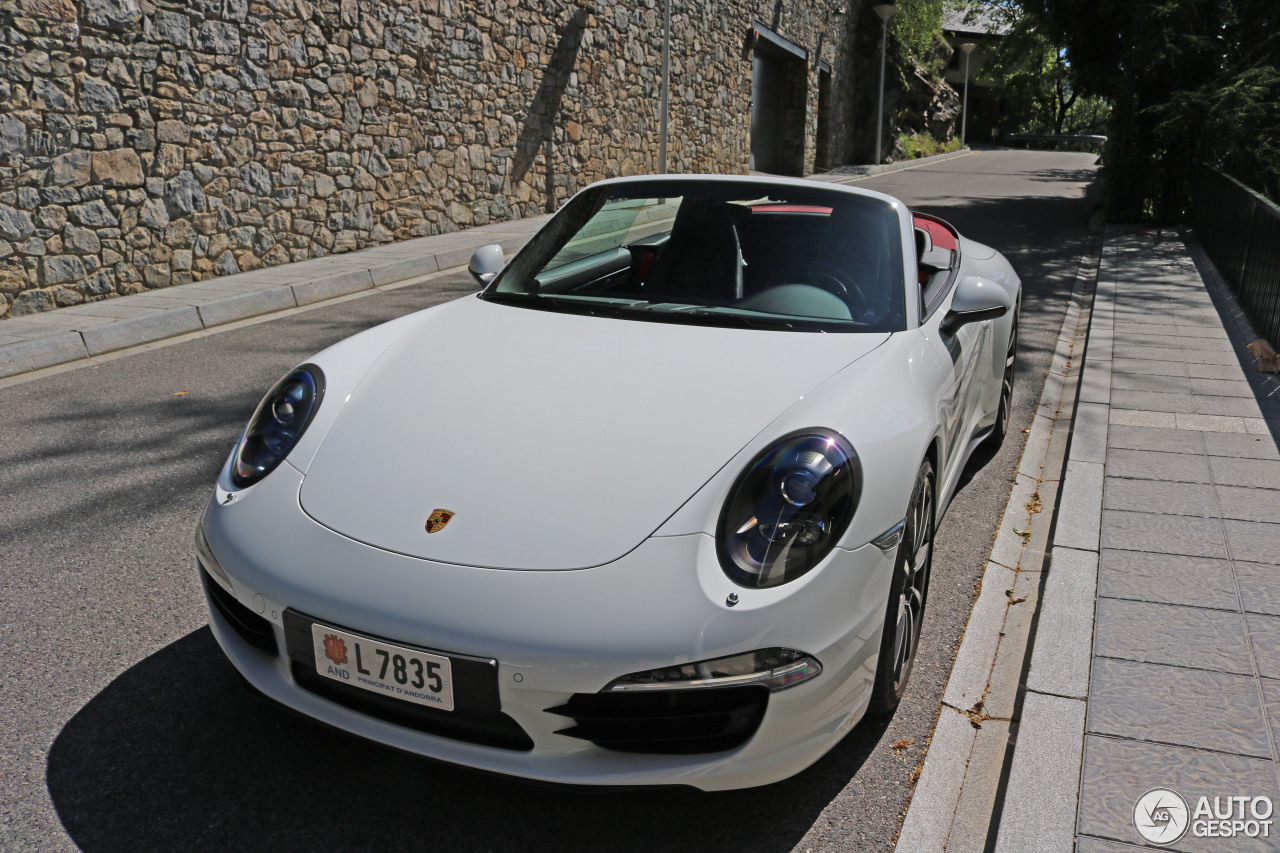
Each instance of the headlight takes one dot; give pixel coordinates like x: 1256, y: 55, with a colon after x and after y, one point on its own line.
x: 789, y: 508
x: 276, y: 426
x: 774, y: 668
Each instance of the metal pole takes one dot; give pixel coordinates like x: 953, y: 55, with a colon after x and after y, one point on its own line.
x: 884, y: 41
x: 964, y: 108
x: 666, y: 87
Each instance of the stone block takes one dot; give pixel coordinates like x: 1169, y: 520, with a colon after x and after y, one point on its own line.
x: 45, y: 351
x: 118, y: 168
x: 1040, y: 800
x: 140, y: 330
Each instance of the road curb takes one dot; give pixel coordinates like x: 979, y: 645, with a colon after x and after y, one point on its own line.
x: 67, y: 335
x: 858, y: 173
x: 983, y: 685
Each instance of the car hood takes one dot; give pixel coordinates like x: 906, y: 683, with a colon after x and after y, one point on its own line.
x: 556, y: 441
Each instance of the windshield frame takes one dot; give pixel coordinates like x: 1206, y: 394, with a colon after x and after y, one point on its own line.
x: 517, y: 282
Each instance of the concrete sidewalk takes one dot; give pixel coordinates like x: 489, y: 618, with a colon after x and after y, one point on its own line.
x: 1156, y: 657
x: 85, y: 331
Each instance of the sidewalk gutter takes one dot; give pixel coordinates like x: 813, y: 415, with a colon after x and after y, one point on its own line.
x: 963, y: 773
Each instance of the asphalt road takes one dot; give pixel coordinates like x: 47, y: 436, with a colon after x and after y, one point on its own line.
x: 123, y: 728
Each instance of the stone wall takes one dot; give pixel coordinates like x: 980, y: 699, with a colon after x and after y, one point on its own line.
x: 145, y: 143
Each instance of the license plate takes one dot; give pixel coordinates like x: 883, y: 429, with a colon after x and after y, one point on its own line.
x: 378, y: 667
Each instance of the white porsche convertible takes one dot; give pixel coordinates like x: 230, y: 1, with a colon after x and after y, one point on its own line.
x: 656, y: 506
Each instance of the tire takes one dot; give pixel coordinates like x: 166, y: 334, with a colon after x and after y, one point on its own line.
x: 1006, y: 389
x: 908, y: 592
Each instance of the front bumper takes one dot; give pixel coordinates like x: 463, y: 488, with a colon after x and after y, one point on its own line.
x: 554, y: 635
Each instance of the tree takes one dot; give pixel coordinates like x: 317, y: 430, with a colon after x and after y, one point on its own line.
x: 1029, y: 66
x: 1190, y: 79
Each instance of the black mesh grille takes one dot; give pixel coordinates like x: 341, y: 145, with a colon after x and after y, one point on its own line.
x: 252, y: 628
x: 667, y: 721
x: 476, y: 717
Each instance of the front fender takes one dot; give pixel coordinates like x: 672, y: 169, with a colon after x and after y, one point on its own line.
x: 886, y: 404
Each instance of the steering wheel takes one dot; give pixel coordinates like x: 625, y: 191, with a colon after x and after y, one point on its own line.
x: 828, y: 277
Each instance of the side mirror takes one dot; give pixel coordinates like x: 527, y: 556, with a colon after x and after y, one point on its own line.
x: 976, y: 299
x: 486, y: 263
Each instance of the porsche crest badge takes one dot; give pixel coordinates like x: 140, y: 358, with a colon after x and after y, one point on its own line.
x: 335, y: 649
x: 438, y: 519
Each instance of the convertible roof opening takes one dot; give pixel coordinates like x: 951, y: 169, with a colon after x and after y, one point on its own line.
x: 713, y: 252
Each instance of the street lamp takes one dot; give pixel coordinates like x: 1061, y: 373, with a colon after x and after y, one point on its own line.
x: 666, y: 87
x: 967, y: 47
x: 885, y: 11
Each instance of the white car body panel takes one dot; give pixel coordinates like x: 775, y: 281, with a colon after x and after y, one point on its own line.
x: 595, y: 439
x: 588, y: 460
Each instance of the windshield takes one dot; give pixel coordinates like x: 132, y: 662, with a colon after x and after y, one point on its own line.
x: 742, y: 253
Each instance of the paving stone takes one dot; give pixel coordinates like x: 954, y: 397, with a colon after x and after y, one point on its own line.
x: 1257, y: 426
x: 1165, y: 353
x: 1271, y: 699
x: 1039, y: 804
x: 1193, y: 637
x: 1242, y: 446
x: 1163, y: 533
x: 1155, y: 368
x: 1220, y: 387
x: 1224, y: 358
x: 1123, y: 437
x: 1150, y: 383
x: 1165, y: 330
x: 1238, y: 407
x: 1196, y: 499
x: 1264, y: 636
x: 1117, y: 772
x: 1152, y: 402
x: 1079, y: 505
x: 1162, y: 420
x: 1140, y: 339
x: 1167, y: 578
x: 1064, y: 633
x: 1235, y: 471
x: 1259, y: 586
x: 1095, y: 384
x: 1089, y: 433
x: 1154, y: 465
x: 1210, y: 423
x: 1250, y: 505
x: 1228, y: 372
x: 1170, y: 704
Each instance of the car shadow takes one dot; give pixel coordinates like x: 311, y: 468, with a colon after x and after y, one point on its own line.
x: 174, y: 755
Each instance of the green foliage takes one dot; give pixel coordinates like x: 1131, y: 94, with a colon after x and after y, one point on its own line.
x: 917, y: 26
x: 1037, y: 85
x: 917, y: 145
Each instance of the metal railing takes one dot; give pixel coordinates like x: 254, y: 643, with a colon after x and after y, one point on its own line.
x: 1240, y: 229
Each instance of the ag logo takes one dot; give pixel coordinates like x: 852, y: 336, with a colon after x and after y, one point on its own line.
x: 1161, y: 816
x: 438, y: 519
x: 335, y: 649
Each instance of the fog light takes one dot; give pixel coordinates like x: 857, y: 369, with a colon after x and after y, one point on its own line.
x: 774, y: 668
